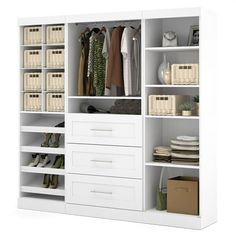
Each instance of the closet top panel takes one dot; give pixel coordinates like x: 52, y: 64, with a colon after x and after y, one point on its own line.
x: 117, y: 16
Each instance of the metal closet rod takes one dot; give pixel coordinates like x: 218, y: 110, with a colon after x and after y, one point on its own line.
x: 101, y: 24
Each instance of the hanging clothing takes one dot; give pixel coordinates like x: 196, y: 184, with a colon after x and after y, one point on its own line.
x: 105, y: 52
x: 82, y: 75
x: 136, y: 60
x: 127, y: 50
x: 98, y: 66
x: 115, y: 64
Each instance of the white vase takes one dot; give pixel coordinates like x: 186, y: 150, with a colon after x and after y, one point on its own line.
x: 186, y: 113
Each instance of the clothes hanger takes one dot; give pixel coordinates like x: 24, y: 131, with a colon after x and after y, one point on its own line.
x: 83, y: 33
x: 103, y: 29
x: 138, y: 29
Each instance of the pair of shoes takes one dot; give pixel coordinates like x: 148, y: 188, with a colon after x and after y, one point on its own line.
x: 59, y: 162
x: 50, y: 181
x: 51, y: 140
x: 39, y: 160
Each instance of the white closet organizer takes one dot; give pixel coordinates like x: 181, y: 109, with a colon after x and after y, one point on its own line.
x: 109, y: 168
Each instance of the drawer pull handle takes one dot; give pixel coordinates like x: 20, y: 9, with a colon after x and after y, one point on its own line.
x: 101, y: 161
x: 102, y: 130
x: 102, y: 192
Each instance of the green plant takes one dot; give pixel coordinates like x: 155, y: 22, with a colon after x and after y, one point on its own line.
x: 196, y: 98
x: 187, y: 106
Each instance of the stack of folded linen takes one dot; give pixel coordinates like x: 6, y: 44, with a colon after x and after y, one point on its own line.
x: 162, y: 154
x: 185, y: 150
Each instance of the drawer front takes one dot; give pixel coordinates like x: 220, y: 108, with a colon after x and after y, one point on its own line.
x: 104, y: 160
x: 105, y: 129
x: 104, y: 191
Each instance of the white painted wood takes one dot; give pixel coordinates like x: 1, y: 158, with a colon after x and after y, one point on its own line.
x: 104, y: 160
x: 103, y: 97
x: 104, y: 129
x: 104, y: 191
x: 152, y: 163
x: 39, y: 170
x: 172, y: 49
x: 35, y: 148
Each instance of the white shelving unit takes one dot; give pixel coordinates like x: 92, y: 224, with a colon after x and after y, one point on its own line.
x: 109, y: 168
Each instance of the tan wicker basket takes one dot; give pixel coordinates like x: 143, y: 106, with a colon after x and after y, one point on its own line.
x: 32, y: 81
x: 55, y: 34
x: 32, y: 58
x: 32, y: 35
x: 55, y: 58
x: 184, y: 74
x: 55, y: 81
x: 32, y: 101
x: 163, y: 105
x: 55, y: 102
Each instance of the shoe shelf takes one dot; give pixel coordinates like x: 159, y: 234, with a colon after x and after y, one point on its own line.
x: 37, y: 188
x: 173, y: 49
x: 170, y: 86
x: 173, y: 117
x: 40, y: 170
x: 160, y: 164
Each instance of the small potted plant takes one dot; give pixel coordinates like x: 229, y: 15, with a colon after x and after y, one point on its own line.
x: 186, y: 108
x: 196, y: 100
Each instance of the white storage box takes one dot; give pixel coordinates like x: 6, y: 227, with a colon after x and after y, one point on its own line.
x: 32, y: 58
x: 55, y: 58
x: 55, y: 102
x: 161, y: 105
x: 55, y: 34
x: 184, y: 74
x: 55, y: 81
x: 32, y: 101
x: 33, y: 35
x: 32, y: 81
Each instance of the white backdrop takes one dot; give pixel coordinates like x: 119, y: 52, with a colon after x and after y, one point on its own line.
x: 20, y: 222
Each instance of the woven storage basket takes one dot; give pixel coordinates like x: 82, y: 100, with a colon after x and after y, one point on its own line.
x: 32, y: 35
x: 55, y: 34
x: 32, y: 58
x: 32, y: 101
x: 32, y: 81
x: 184, y: 74
x: 163, y: 105
x: 55, y: 81
x: 55, y: 102
x: 55, y: 58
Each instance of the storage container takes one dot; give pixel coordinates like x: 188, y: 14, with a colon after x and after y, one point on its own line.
x: 184, y: 74
x: 161, y: 105
x: 55, y: 34
x: 32, y: 81
x: 55, y: 81
x: 55, y: 102
x: 32, y: 35
x: 32, y: 101
x: 55, y: 58
x: 182, y: 195
x: 33, y: 58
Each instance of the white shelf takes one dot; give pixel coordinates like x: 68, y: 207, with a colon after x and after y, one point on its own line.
x: 170, y: 86
x: 40, y: 170
x: 35, y: 147
x: 42, y: 112
x: 171, y: 165
x: 37, y: 188
x: 31, y: 45
x: 103, y: 97
x: 173, y: 49
x: 173, y: 117
x: 31, y: 68
x: 53, y: 68
x: 53, y: 44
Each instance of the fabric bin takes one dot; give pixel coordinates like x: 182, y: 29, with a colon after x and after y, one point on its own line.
x: 55, y: 102
x: 163, y: 105
x: 32, y: 35
x: 184, y: 74
x: 32, y: 101
x: 32, y: 58
x: 182, y: 195
x: 32, y: 81
x: 55, y: 34
x: 55, y: 81
x: 55, y: 58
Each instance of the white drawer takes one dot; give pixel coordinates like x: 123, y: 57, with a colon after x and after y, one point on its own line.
x: 105, y: 129
x: 104, y: 160
x: 104, y: 191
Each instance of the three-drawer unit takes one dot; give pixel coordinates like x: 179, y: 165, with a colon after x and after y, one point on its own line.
x: 104, y: 160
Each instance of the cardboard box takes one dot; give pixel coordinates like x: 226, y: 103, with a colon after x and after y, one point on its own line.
x: 182, y: 195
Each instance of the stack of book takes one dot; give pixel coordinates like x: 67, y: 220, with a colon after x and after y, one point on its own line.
x: 185, y: 150
x: 162, y: 154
